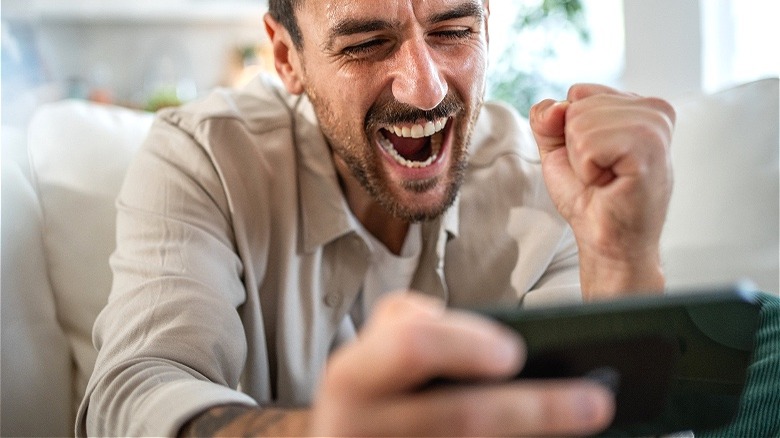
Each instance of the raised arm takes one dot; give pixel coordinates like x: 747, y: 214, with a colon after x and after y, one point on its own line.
x: 605, y: 158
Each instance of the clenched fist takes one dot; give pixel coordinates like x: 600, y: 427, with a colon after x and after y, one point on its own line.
x: 606, y: 162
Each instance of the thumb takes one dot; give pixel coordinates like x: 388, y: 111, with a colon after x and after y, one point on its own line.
x: 548, y: 123
x: 548, y: 120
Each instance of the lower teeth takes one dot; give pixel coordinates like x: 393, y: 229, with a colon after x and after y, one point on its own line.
x: 436, y: 140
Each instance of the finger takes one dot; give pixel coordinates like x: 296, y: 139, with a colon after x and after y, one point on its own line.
x: 410, y: 341
x: 548, y: 123
x: 522, y: 408
x: 548, y: 120
x: 622, y: 139
x: 578, y: 92
x: 596, y: 156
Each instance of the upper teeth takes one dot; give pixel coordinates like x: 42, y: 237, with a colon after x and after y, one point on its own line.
x: 418, y: 130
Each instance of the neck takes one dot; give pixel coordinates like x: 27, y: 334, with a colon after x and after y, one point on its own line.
x: 387, y: 228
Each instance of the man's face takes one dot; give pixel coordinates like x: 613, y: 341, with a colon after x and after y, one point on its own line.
x: 397, y: 86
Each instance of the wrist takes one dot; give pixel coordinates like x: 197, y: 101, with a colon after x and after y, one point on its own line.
x: 615, y: 275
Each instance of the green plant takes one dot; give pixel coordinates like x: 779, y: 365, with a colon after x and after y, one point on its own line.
x: 518, y: 80
x: 162, y: 98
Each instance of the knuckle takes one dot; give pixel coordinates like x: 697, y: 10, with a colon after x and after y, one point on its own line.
x: 389, y: 306
x: 400, y: 305
x: 646, y: 131
x: 467, y: 414
x: 663, y: 106
x: 539, y: 411
x: 659, y: 139
x: 397, y: 344
x: 548, y: 413
x: 574, y: 92
x: 337, y: 378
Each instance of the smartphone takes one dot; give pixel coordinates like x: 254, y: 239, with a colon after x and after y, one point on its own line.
x: 676, y: 362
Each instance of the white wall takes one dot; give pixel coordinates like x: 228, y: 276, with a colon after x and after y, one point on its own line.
x: 663, y: 47
x: 674, y: 47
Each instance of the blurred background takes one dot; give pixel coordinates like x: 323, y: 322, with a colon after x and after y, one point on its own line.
x: 152, y: 53
x: 148, y: 54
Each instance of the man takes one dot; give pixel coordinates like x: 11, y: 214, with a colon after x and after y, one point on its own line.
x: 259, y: 231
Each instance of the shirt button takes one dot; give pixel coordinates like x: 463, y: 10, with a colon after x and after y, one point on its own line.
x: 332, y: 300
x: 356, y: 243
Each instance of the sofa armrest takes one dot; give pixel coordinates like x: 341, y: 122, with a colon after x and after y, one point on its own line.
x: 36, y: 361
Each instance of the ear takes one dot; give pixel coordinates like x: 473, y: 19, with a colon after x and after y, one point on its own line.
x: 286, y: 57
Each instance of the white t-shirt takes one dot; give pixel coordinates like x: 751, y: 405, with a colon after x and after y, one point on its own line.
x: 387, y: 272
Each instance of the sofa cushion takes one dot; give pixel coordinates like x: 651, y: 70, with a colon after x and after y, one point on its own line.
x: 36, y: 362
x: 723, y: 217
x: 79, y: 152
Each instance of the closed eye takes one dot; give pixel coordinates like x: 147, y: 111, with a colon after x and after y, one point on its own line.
x: 364, y: 48
x: 453, y: 34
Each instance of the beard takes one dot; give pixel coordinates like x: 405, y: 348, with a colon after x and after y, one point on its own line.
x: 355, y: 145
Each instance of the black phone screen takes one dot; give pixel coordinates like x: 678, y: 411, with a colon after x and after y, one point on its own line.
x: 676, y: 362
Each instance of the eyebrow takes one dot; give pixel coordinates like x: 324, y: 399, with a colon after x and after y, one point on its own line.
x: 352, y: 26
x: 470, y: 9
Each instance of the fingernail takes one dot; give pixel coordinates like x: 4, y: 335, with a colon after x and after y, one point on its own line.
x: 509, y: 351
x: 596, y: 407
x: 562, y: 103
x: 606, y: 376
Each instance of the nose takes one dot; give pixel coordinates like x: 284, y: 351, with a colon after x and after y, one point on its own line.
x: 417, y: 80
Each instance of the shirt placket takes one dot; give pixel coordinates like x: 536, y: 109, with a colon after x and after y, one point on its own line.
x: 348, y: 259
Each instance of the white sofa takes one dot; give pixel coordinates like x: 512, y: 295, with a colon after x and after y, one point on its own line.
x: 58, y: 231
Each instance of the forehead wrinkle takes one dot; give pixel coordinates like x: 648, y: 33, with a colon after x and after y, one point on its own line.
x: 352, y: 26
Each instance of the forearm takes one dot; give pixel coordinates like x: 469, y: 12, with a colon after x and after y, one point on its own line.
x: 239, y: 420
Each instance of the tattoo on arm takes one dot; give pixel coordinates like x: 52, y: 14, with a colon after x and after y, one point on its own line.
x: 212, y: 421
x: 239, y: 420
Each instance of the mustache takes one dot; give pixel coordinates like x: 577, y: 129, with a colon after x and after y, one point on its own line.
x: 392, y: 112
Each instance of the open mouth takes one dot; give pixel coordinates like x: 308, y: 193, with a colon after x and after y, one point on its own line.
x: 414, y: 146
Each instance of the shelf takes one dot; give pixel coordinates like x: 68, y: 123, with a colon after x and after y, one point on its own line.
x: 138, y: 11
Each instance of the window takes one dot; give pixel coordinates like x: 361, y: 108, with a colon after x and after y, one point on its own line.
x: 529, y: 63
x: 740, y: 41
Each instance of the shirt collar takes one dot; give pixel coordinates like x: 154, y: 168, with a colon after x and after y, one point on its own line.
x: 323, y: 208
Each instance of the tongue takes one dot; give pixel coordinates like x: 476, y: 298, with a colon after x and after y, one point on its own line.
x: 413, y: 149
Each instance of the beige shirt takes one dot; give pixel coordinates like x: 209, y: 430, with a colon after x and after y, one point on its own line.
x: 237, y: 259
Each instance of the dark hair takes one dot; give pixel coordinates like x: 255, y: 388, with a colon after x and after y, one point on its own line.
x: 283, y: 11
